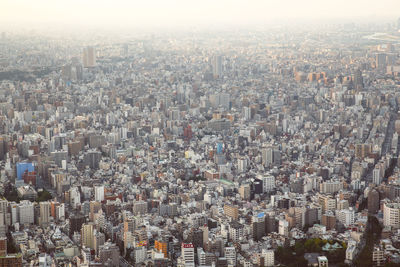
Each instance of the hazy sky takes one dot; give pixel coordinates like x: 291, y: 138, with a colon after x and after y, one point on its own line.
x: 187, y: 12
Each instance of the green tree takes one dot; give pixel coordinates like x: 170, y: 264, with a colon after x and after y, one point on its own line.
x: 44, y: 195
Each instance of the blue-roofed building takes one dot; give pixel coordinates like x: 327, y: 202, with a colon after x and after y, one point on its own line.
x: 24, y: 166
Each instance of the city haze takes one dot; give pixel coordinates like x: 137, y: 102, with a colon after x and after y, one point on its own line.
x: 180, y: 13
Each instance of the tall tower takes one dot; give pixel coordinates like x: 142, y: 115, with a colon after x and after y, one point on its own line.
x: 89, y: 57
x: 217, y: 66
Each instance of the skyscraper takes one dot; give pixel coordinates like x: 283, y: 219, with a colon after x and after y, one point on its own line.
x: 89, y: 57
x: 358, y: 80
x: 217, y: 66
x: 381, y: 61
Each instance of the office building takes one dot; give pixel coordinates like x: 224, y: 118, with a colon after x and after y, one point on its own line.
x: 99, y: 193
x: 217, y: 66
x: 187, y: 253
x: 44, y: 213
x: 25, y: 211
x: 109, y: 254
x: 230, y: 255
x: 87, y: 235
x: 89, y: 57
x: 268, y: 183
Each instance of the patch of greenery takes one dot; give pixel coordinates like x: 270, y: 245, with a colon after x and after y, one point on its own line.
x: 11, y: 194
x: 197, y: 178
x: 294, y: 256
x: 43, y: 196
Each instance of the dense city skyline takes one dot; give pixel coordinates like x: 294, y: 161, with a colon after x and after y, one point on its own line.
x: 199, y: 133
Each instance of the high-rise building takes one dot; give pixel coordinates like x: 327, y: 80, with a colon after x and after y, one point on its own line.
x: 258, y: 226
x: 270, y: 224
x: 346, y: 217
x: 3, y: 217
x: 60, y: 212
x: 358, y: 80
x: 99, y: 193
x: 109, y: 254
x: 87, y: 235
x: 231, y: 211
x: 92, y: 159
x: 269, y: 257
x: 75, y: 223
x: 329, y: 221
x: 381, y: 61
x: 217, y: 66
x: 230, y: 255
x: 25, y: 211
x: 268, y: 183
x: 140, y: 207
x: 129, y: 224
x: 283, y: 227
x: 94, y: 207
x: 247, y: 113
x: 195, y: 237
x: 141, y: 254
x: 242, y: 164
x: 89, y: 57
x: 378, y: 256
x: 331, y: 186
x: 187, y: 252
x: 310, y: 216
x: 391, y: 214
x: 327, y: 202
x: 376, y: 176
x: 98, y: 240
x: 245, y: 192
x: 235, y: 231
x: 271, y: 156
x: 161, y: 247
x: 44, y: 213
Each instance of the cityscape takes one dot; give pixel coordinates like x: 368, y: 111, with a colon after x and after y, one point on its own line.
x: 225, y: 146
